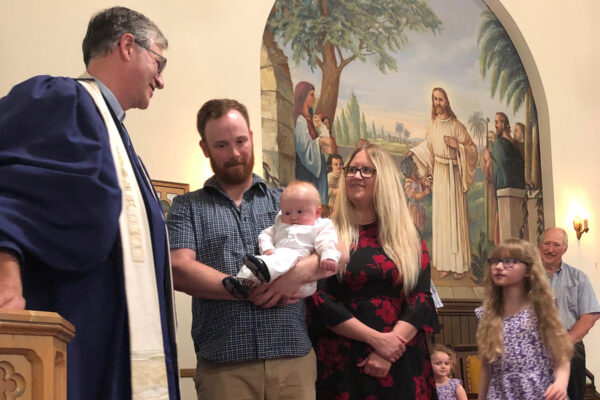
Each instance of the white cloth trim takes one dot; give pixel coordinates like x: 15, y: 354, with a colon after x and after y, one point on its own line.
x: 148, y: 367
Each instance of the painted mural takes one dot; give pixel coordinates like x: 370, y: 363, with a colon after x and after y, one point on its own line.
x: 440, y: 85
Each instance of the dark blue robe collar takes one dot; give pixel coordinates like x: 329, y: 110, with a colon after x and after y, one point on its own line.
x: 112, y: 101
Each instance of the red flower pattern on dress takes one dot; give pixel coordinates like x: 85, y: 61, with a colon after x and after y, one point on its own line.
x: 369, y: 238
x: 318, y: 299
x: 329, y: 351
x: 424, y: 382
x: 356, y: 282
x: 416, y: 296
x: 424, y: 256
x: 386, y: 265
x: 342, y: 396
x: 371, y: 397
x: 386, y: 312
x: 387, y: 381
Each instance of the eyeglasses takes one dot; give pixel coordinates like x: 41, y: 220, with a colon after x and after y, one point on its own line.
x: 507, y: 263
x: 365, y: 172
x: 161, y: 61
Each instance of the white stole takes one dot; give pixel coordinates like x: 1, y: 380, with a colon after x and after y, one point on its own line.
x: 148, y: 368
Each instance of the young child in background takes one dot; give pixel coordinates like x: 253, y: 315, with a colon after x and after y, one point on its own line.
x: 298, y: 231
x: 443, y: 362
x: 416, y: 191
x: 335, y: 164
x: 525, y: 350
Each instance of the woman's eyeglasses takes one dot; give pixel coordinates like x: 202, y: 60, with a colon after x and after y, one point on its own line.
x: 507, y: 263
x: 365, y: 172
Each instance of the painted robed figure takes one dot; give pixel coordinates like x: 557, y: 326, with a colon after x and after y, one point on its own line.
x: 448, y: 156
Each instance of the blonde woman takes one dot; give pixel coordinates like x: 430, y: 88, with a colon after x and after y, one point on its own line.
x: 379, y: 307
x: 524, y: 348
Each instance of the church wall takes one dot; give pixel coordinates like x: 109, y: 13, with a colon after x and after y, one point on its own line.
x: 215, y: 52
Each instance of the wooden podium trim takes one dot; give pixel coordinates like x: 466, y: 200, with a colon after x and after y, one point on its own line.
x: 39, y: 323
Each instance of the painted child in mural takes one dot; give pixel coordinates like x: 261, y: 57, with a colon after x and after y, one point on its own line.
x: 416, y: 191
x: 335, y: 164
x: 311, y: 149
x: 447, y: 157
x: 297, y: 232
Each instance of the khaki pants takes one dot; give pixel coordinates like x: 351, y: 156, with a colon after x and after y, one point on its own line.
x: 290, y: 378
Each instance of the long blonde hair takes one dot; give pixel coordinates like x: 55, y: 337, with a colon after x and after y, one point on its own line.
x: 539, y: 294
x: 397, y: 233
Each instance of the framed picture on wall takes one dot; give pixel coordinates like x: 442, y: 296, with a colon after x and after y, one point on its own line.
x: 167, y: 191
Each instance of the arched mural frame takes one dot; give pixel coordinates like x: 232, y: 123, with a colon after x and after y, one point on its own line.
x: 541, y: 102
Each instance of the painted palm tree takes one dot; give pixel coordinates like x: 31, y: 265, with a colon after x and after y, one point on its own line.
x: 508, y: 77
x: 478, y: 124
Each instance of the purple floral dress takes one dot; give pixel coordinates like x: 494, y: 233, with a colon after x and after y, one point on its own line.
x: 447, y: 391
x: 525, y: 371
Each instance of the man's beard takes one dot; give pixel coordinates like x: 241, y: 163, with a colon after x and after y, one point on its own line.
x: 231, y: 173
x: 439, y: 110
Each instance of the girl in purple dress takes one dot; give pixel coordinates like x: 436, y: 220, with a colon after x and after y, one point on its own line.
x: 525, y: 350
x: 443, y: 361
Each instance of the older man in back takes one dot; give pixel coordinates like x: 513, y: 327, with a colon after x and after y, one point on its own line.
x: 577, y: 304
x: 81, y: 230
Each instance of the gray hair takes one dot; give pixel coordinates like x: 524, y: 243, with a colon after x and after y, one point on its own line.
x: 565, y: 237
x: 106, y: 27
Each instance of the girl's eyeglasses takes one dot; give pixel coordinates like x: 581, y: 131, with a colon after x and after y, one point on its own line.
x: 507, y: 263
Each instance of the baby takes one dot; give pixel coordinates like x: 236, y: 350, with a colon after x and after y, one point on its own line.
x: 322, y: 127
x: 297, y: 232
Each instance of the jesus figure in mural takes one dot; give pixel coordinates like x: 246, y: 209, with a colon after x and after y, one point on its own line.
x: 447, y: 156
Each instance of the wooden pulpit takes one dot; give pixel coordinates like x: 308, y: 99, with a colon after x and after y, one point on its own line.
x: 33, y: 355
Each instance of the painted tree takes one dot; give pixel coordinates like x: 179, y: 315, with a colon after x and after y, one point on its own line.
x: 353, y: 114
x: 331, y: 34
x: 373, y: 130
x: 499, y: 56
x: 364, y: 130
x: 478, y: 124
x: 345, y: 129
x: 406, y: 134
x: 399, y: 128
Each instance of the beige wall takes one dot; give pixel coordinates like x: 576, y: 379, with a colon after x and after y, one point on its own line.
x: 563, y: 42
x: 214, y: 52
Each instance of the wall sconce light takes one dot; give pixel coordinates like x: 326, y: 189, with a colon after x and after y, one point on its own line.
x: 580, y: 228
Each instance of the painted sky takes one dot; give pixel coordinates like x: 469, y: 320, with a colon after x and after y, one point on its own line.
x: 449, y: 59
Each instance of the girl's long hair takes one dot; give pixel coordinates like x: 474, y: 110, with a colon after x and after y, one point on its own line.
x: 539, y: 295
x: 397, y: 233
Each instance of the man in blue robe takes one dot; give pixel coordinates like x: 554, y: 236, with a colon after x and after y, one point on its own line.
x: 62, y: 229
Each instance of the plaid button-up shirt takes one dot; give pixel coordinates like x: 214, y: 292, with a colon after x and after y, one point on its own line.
x: 221, y: 233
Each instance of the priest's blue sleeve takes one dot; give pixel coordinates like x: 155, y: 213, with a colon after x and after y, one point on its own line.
x: 59, y: 195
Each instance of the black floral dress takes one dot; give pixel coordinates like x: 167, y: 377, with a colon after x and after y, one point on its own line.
x: 369, y: 293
